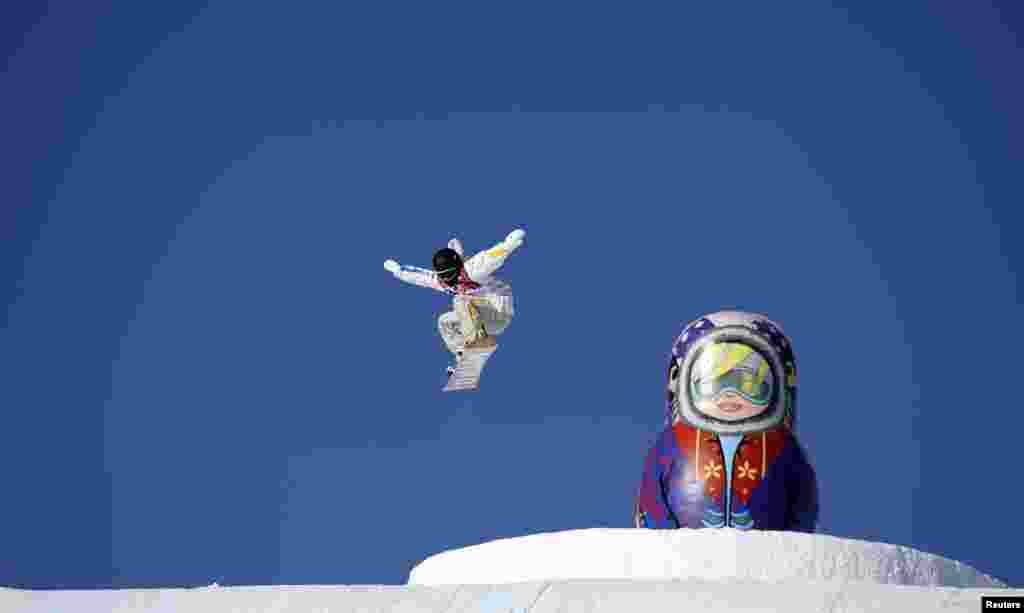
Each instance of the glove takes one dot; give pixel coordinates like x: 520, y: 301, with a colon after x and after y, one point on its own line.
x: 391, y: 266
x: 514, y: 239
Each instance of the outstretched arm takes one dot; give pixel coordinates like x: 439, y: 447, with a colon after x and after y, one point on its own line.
x: 486, y: 263
x: 456, y: 244
x: 413, y: 275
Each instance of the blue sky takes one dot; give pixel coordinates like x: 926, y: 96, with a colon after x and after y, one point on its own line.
x: 210, y: 377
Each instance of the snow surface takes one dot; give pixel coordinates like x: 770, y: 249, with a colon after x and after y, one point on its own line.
x: 715, y: 555
x: 611, y: 596
x: 699, y: 570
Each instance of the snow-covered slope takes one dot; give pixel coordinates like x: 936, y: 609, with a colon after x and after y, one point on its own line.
x: 726, y: 554
x: 612, y: 596
x: 641, y: 570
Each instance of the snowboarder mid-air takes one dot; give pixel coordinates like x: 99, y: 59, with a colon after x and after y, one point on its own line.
x: 481, y: 304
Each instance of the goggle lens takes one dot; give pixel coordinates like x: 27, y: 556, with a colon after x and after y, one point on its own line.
x: 732, y: 367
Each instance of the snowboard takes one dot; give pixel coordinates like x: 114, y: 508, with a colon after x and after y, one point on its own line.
x: 467, y: 374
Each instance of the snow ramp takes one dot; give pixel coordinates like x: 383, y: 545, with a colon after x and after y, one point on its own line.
x: 602, y: 571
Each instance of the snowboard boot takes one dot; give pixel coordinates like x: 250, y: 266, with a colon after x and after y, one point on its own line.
x: 482, y: 341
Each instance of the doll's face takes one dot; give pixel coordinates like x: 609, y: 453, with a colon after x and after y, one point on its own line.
x: 730, y: 406
x: 731, y: 382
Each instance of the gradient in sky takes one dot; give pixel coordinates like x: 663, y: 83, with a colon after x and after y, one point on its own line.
x: 208, y: 375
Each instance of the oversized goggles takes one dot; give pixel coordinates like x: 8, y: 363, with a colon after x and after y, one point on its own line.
x: 732, y: 367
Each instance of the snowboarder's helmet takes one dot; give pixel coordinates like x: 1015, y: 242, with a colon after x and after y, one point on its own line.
x: 447, y: 265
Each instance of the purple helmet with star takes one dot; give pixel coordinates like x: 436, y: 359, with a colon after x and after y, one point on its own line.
x: 732, y: 372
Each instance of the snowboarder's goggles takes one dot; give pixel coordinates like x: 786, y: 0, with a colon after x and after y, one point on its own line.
x: 731, y: 367
x: 449, y: 273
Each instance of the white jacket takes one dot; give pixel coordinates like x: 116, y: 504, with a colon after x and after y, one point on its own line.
x: 480, y: 269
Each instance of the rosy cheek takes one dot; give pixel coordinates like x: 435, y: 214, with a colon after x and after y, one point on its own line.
x: 749, y: 409
x: 706, y: 406
x: 754, y: 410
x: 743, y: 409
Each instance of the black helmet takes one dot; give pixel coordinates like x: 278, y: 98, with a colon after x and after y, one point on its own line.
x: 447, y: 265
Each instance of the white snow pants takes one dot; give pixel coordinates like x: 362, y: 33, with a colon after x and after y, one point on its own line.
x: 459, y: 326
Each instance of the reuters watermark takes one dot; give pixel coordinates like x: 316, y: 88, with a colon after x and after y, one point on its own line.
x: 1002, y: 603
